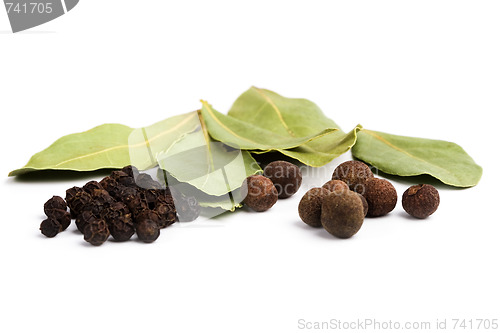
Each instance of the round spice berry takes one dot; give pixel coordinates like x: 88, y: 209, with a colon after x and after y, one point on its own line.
x: 342, y: 213
x: 420, y: 201
x: 310, y: 206
x: 50, y: 227
x: 147, y: 230
x: 285, y: 176
x: 187, y: 208
x: 91, y: 186
x: 354, y: 174
x: 259, y: 193
x: 62, y: 216
x: 55, y: 202
x: 365, y: 204
x: 336, y: 185
x: 381, y: 196
x: 96, y: 231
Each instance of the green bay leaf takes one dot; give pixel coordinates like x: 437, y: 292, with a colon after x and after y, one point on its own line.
x: 410, y: 156
x: 262, y: 121
x: 111, y: 146
x: 210, y: 166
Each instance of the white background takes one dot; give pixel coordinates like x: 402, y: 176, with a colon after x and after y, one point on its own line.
x: 420, y: 68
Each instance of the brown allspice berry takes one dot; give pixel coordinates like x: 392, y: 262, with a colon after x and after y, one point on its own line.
x: 50, y: 227
x: 55, y: 202
x: 381, y: 196
x: 96, y: 231
x: 147, y: 230
x: 342, y: 213
x: 336, y: 185
x: 421, y: 200
x: 285, y: 176
x: 354, y: 174
x: 365, y: 203
x: 310, y: 206
x: 259, y: 193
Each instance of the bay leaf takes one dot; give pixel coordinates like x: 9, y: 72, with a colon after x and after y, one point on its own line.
x: 262, y: 121
x: 210, y: 166
x: 244, y: 135
x: 111, y: 146
x: 410, y: 156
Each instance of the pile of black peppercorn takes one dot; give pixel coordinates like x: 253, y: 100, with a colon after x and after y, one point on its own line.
x: 123, y: 204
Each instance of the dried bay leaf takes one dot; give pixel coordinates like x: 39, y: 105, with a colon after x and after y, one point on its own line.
x: 211, y: 167
x: 261, y: 121
x: 111, y: 146
x: 409, y: 156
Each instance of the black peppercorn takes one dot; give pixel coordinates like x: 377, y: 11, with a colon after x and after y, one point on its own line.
x: 147, y: 230
x: 148, y: 214
x: 62, y: 216
x: 130, y: 170
x: 50, y: 227
x: 285, y: 176
x: 96, y: 231
x: 123, y: 178
x: 145, y: 181
x: 91, y: 186
x: 187, y: 208
x: 83, y: 219
x: 55, y: 202
x: 79, y: 202
x: 119, y: 220
x: 421, y: 201
x: 167, y: 214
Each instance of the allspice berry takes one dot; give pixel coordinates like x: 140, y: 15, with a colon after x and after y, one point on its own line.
x: 285, y: 176
x: 365, y: 204
x: 381, y: 196
x: 342, y: 213
x: 336, y: 185
x: 310, y: 206
x: 259, y: 193
x: 420, y: 201
x: 354, y: 174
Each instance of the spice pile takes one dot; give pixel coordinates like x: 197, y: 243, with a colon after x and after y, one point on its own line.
x: 341, y: 205
x: 128, y: 202
x: 120, y: 205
